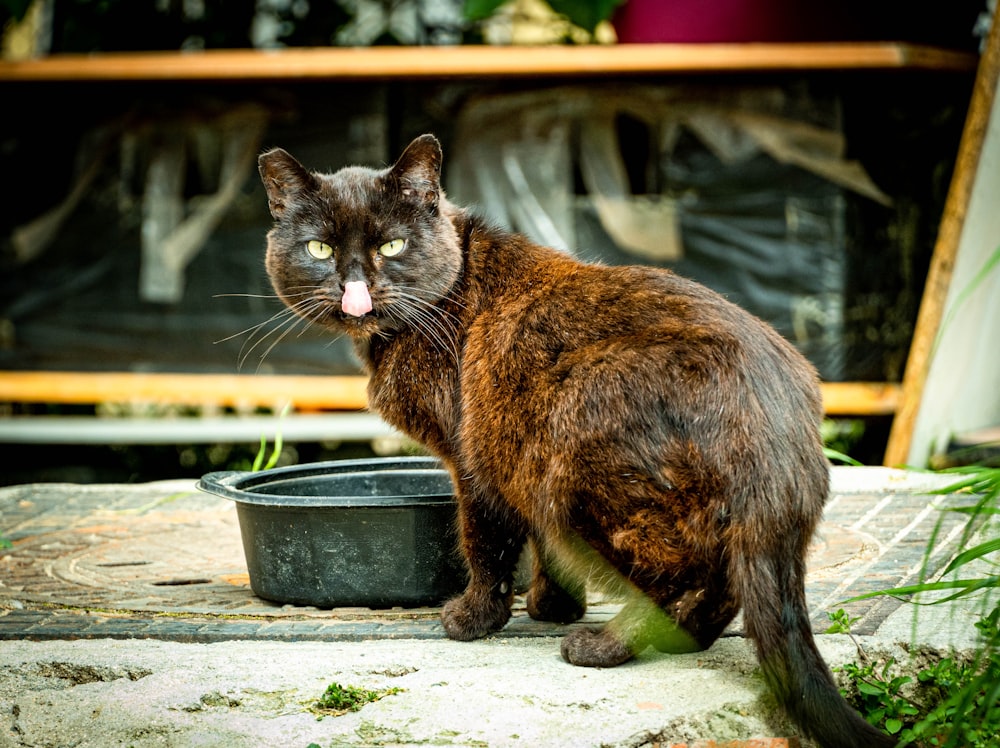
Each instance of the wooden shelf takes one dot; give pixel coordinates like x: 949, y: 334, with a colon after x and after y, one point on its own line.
x: 304, y: 392
x: 320, y: 393
x: 408, y: 63
x: 228, y: 390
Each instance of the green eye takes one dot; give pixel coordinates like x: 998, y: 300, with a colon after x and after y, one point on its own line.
x: 393, y: 248
x: 320, y: 250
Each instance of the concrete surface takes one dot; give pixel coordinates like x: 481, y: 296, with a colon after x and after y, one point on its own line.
x: 214, y: 666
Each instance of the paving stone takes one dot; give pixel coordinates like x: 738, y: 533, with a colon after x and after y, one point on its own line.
x: 156, y: 553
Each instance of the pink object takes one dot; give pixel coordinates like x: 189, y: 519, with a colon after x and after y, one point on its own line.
x: 357, y: 302
x: 646, y: 21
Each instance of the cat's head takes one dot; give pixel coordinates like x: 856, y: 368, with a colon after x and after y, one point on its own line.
x: 361, y: 250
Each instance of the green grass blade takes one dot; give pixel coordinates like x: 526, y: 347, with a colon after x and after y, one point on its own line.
x: 975, y: 511
x: 835, y: 456
x: 276, y: 454
x: 258, y: 460
x: 990, y: 546
x: 966, y: 586
x: 969, y: 484
x: 970, y: 288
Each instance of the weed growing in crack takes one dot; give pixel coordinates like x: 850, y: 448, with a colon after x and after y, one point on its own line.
x: 951, y: 701
x: 338, y: 700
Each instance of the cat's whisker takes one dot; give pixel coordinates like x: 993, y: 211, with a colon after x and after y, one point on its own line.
x: 280, y: 332
x: 245, y: 296
x: 253, y: 328
x: 251, y: 344
x: 291, y: 319
x: 414, y: 293
x: 302, y: 290
x: 295, y: 323
x: 284, y: 312
x: 428, y: 319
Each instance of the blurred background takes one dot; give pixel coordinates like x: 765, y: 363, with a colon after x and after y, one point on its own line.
x: 132, y: 224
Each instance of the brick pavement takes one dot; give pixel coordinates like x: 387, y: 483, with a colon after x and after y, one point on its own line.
x: 165, y: 561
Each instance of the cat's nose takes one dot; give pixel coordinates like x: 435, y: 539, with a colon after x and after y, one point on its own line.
x: 356, y: 301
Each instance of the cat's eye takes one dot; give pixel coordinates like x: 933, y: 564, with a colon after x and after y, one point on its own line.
x: 320, y: 250
x: 393, y: 248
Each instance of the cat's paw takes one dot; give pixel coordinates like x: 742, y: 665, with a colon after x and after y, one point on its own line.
x: 466, y: 620
x: 549, y: 602
x: 594, y: 648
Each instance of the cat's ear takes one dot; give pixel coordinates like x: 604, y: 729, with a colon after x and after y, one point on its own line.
x: 284, y: 178
x: 418, y: 171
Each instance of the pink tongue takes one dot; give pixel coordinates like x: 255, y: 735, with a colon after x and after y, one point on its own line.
x: 356, y: 301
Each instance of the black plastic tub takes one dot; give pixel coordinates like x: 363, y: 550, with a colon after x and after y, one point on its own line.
x: 378, y: 533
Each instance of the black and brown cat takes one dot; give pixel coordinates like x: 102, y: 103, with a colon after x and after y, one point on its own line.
x: 640, y: 430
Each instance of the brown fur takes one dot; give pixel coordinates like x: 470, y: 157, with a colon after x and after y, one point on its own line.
x: 641, y: 431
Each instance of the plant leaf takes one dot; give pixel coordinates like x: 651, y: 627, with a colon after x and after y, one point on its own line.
x: 478, y: 10
x: 870, y: 689
x: 975, y: 511
x: 585, y: 13
x: 17, y: 9
x: 963, y: 296
x: 990, y: 546
x: 276, y: 454
x: 258, y: 460
x: 967, y: 586
x: 835, y: 456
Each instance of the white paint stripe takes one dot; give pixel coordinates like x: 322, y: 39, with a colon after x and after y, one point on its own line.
x: 838, y: 594
x: 871, y: 513
x: 938, y: 550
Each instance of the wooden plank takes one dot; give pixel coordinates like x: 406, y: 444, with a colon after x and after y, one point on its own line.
x: 860, y: 398
x: 303, y: 392
x: 236, y: 390
x: 482, y: 61
x: 945, y: 250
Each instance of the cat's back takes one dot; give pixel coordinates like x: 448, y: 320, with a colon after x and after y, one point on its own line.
x: 555, y: 328
x: 551, y: 301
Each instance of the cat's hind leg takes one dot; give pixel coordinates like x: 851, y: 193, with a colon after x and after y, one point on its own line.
x: 673, y: 619
x: 703, y: 612
x: 554, y: 596
x: 640, y: 623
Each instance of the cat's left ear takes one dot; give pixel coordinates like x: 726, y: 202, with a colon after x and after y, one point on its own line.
x: 284, y: 179
x: 418, y: 171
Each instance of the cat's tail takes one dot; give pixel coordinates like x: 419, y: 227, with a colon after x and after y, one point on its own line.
x: 772, y: 590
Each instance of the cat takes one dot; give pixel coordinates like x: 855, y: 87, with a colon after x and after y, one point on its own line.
x: 641, y: 431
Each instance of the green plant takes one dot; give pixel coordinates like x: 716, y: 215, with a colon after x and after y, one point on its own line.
x: 952, y: 701
x: 337, y: 699
x: 841, y: 623
x: 586, y: 14
x: 992, y: 262
x: 834, y: 456
x: 15, y: 9
x: 984, y: 483
x: 879, y: 696
x: 258, y: 461
x: 966, y: 711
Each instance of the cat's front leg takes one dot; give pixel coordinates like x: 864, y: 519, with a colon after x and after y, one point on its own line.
x: 491, y: 547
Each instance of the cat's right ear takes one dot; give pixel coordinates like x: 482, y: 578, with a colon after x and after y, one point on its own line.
x: 418, y: 171
x: 284, y: 178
